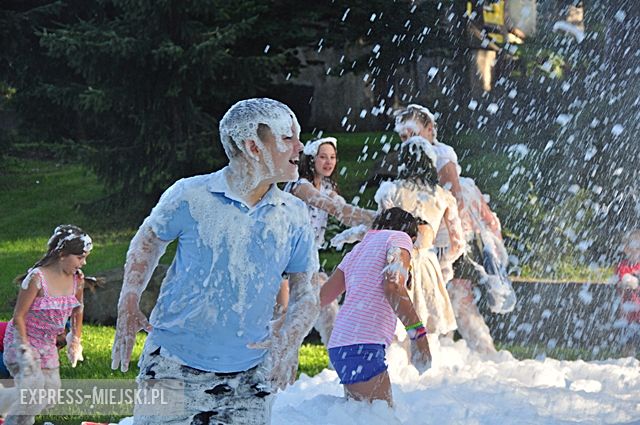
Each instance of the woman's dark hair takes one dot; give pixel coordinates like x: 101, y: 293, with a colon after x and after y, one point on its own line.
x: 396, y: 219
x: 307, y: 167
x: 415, y: 164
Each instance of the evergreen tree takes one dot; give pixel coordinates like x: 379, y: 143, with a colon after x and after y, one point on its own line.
x: 139, y: 85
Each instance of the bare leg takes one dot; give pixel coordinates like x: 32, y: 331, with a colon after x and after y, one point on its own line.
x: 376, y: 388
x: 485, y: 63
x: 471, y: 324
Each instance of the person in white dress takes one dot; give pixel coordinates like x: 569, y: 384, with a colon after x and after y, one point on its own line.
x: 417, y: 191
x: 480, y: 225
x: 318, y: 188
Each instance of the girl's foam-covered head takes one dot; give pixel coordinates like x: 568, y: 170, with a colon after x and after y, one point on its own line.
x: 307, y: 167
x: 68, y: 239
x: 312, y: 146
x: 414, y: 114
x: 243, y: 121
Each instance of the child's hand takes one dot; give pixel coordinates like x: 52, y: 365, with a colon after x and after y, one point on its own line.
x: 628, y: 281
x: 74, y: 349
x: 421, y: 355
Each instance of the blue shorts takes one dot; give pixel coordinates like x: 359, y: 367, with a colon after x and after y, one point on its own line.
x: 358, y: 363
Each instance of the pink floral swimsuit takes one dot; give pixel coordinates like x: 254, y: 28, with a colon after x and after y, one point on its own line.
x: 45, y: 320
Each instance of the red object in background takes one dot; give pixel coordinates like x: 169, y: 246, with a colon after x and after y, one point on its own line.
x: 625, y: 267
x: 3, y: 329
x: 630, y: 296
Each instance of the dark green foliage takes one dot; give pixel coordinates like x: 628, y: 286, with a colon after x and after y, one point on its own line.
x: 391, y: 39
x: 139, y: 86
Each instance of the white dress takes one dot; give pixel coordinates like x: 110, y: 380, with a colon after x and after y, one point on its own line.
x: 428, y: 290
x: 318, y: 216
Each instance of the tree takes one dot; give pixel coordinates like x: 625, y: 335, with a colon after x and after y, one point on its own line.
x: 390, y: 41
x: 139, y: 85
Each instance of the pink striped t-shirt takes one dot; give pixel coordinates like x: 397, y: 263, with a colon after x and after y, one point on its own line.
x: 366, y: 316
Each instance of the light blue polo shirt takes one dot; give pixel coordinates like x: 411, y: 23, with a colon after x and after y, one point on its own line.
x: 219, y: 293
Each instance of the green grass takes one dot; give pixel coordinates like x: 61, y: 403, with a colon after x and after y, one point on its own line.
x: 39, y: 195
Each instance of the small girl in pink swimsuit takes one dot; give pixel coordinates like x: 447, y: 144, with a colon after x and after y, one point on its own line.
x: 49, y: 294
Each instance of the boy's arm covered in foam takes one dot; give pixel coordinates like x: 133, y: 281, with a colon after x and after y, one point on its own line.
x: 281, y: 363
x: 304, y: 308
x: 143, y: 256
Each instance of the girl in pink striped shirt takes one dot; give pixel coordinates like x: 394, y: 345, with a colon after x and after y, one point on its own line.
x: 373, y: 275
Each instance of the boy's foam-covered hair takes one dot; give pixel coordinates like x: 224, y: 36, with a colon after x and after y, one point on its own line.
x: 415, y: 111
x: 243, y: 120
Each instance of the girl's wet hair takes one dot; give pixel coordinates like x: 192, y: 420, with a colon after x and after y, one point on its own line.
x: 307, y: 167
x: 67, y: 239
x: 416, y: 164
x: 417, y: 113
x: 396, y: 219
